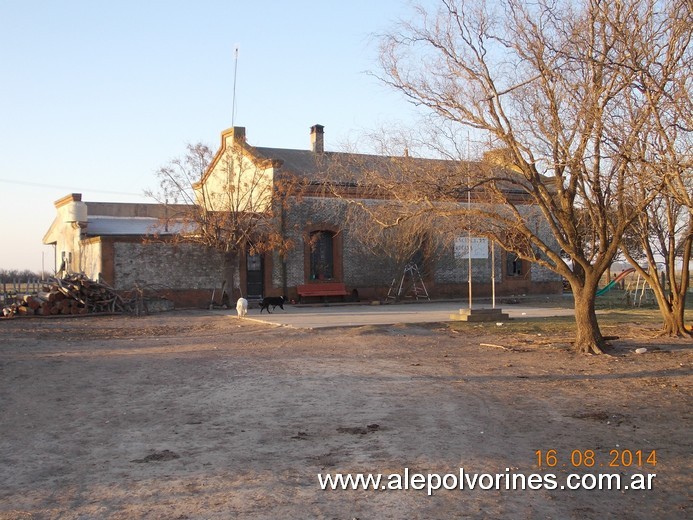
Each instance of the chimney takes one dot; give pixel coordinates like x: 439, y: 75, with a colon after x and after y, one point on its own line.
x: 317, y: 138
x: 73, y: 210
x: 238, y: 133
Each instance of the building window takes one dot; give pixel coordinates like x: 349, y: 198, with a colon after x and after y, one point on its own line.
x: 321, y: 255
x: 514, y: 265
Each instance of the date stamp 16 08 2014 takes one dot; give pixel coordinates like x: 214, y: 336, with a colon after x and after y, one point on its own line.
x: 587, y: 458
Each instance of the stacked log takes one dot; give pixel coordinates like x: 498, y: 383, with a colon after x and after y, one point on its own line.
x: 71, y: 294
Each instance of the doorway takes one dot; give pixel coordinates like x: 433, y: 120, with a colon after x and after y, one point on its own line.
x: 255, y: 276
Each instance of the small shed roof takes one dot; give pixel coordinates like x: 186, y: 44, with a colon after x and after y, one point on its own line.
x: 103, y: 226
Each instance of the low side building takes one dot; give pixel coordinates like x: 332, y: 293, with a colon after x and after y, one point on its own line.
x: 127, y: 246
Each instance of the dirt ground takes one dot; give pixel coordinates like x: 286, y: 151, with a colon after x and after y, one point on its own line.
x: 197, y: 415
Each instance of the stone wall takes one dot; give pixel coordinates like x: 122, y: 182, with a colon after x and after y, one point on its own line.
x: 371, y: 274
x: 186, y: 273
x: 450, y: 269
x: 190, y: 273
x: 361, y: 268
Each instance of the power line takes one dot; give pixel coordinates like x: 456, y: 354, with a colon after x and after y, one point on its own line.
x: 68, y: 188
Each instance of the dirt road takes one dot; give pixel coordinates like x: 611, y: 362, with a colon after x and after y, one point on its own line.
x: 197, y: 415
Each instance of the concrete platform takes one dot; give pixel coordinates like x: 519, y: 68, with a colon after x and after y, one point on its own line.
x: 309, y: 317
x: 480, y: 315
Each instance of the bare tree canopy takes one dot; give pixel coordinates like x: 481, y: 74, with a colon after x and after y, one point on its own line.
x: 232, y: 204
x: 565, y: 93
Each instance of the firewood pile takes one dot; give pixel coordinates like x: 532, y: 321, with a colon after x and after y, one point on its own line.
x: 72, y: 294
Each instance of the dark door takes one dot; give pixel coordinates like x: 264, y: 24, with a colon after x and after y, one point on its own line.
x: 255, y: 276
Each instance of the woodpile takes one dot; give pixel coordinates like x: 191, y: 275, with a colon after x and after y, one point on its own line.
x: 72, y: 294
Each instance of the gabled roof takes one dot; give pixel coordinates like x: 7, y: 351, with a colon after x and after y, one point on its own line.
x: 312, y: 166
x: 236, y: 136
x: 326, y: 166
x: 348, y: 169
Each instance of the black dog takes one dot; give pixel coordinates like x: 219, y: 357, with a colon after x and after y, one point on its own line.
x: 274, y: 301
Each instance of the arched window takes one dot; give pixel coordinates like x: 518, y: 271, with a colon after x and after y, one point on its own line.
x: 322, y: 255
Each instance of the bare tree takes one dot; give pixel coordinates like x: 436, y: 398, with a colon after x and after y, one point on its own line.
x: 665, y: 233
x: 232, y: 205
x: 662, y: 65
x: 12, y: 275
x: 547, y: 84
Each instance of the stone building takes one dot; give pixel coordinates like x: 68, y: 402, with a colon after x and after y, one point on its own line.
x: 115, y: 241
x: 315, y: 224
x: 127, y: 246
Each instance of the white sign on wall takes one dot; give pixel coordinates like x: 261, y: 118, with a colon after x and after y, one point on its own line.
x: 479, y: 247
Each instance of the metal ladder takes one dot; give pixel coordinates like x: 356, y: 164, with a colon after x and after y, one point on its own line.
x: 414, y: 288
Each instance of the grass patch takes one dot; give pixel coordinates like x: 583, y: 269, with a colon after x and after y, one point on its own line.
x: 551, y: 325
x: 610, y: 321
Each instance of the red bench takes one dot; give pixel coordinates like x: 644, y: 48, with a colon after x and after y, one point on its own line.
x: 321, y: 289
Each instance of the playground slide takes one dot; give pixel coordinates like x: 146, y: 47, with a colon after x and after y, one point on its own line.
x: 613, y: 282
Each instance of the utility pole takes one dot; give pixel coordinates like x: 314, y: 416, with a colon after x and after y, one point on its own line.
x: 235, y: 71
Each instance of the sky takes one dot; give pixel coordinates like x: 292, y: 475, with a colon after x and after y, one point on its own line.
x: 95, y: 96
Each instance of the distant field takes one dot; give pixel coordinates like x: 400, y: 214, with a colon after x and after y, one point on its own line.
x: 8, y: 290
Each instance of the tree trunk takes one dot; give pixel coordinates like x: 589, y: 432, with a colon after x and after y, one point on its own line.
x: 671, y: 305
x: 679, y: 308
x: 588, y: 337
x: 672, y: 310
x: 231, y: 260
x: 608, y: 275
x: 679, y: 291
x: 674, y: 326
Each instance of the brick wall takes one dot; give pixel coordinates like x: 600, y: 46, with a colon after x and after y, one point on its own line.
x: 360, y: 267
x: 451, y: 270
x: 372, y: 275
x: 186, y: 273
x: 190, y: 273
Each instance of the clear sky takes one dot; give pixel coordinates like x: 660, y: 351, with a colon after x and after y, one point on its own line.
x: 96, y: 95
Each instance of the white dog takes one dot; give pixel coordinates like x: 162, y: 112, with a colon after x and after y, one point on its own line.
x: 242, y: 307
